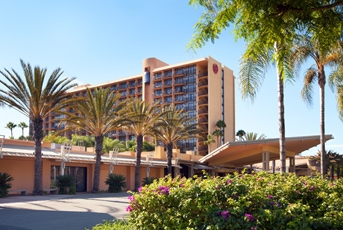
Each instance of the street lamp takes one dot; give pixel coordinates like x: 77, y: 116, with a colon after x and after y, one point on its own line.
x: 65, y: 150
x: 113, y: 155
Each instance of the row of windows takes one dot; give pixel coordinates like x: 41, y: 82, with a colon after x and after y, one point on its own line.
x: 187, y: 80
x: 179, y: 71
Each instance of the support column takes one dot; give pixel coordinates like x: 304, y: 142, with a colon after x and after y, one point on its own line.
x: 273, y: 166
x: 292, y: 164
x: 265, y: 161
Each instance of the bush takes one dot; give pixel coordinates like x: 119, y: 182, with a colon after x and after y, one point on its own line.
x: 5, y: 184
x: 114, y: 224
x: 240, y: 201
x: 115, y: 182
x: 66, y: 184
x: 148, y: 180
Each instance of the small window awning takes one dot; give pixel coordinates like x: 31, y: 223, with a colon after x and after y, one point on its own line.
x: 240, y: 153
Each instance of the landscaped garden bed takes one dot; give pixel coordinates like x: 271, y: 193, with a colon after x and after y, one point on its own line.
x: 240, y: 201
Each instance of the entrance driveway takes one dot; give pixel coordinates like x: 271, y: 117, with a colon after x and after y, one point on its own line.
x: 61, y: 211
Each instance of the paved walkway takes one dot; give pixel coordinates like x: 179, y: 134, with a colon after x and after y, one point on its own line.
x: 61, y: 211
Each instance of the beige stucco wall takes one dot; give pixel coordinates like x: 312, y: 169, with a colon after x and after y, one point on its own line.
x: 215, y: 99
x: 229, y: 104
x: 22, y: 170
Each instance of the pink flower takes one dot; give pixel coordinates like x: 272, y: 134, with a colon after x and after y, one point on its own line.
x: 140, y: 189
x: 129, y: 209
x: 131, y: 198
x: 249, y: 216
x: 229, y: 181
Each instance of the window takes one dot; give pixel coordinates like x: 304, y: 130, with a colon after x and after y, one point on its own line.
x: 168, y: 82
x: 168, y: 91
x: 158, y: 92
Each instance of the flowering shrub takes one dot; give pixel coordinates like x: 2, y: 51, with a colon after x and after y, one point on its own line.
x: 240, y: 201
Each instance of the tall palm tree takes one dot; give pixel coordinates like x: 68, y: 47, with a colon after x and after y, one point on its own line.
x: 307, y: 48
x: 97, y: 113
x: 11, y: 126
x: 36, y: 96
x: 141, y: 118
x: 23, y: 126
x: 173, y: 126
x: 254, y: 64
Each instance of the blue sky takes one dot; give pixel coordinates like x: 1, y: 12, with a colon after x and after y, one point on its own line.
x: 100, y: 41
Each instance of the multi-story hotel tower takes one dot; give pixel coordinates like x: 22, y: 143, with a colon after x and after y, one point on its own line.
x: 203, y: 87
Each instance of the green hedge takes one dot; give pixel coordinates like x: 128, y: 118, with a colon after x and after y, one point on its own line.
x: 240, y: 201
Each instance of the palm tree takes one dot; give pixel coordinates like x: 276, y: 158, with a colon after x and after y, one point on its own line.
x: 336, y: 85
x: 217, y: 133
x: 209, y: 141
x: 332, y: 158
x: 36, y: 96
x: 254, y: 64
x: 142, y: 117
x: 11, y: 126
x: 97, y: 113
x: 23, y: 126
x: 174, y: 125
x: 250, y: 136
x: 240, y: 133
x: 306, y: 48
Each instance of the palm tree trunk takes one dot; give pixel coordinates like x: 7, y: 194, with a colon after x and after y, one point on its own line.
x: 169, y: 157
x: 139, y: 150
x: 98, y: 151
x: 38, y: 136
x: 321, y: 82
x: 282, y: 139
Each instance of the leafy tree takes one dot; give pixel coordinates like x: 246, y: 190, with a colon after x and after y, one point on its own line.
x: 209, y: 141
x: 23, y: 126
x: 269, y: 26
x: 174, y: 125
x: 87, y: 141
x: 36, y: 96
x: 217, y: 133
x: 306, y: 48
x: 11, y: 126
x: 98, y: 113
x: 141, y: 119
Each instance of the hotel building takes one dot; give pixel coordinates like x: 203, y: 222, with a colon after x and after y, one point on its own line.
x: 203, y: 87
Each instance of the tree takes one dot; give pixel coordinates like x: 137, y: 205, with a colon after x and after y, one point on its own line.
x: 174, y: 125
x: 240, y: 133
x: 142, y: 117
x: 336, y: 85
x: 36, y: 96
x: 11, y: 126
x: 269, y: 26
x: 98, y: 113
x: 209, y: 141
x: 23, y: 126
x: 219, y: 132
x: 306, y: 48
x: 331, y: 158
x: 250, y: 136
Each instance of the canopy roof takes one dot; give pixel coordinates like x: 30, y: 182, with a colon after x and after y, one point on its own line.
x: 240, y: 153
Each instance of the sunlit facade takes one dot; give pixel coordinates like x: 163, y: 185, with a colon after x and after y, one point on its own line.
x: 203, y: 87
